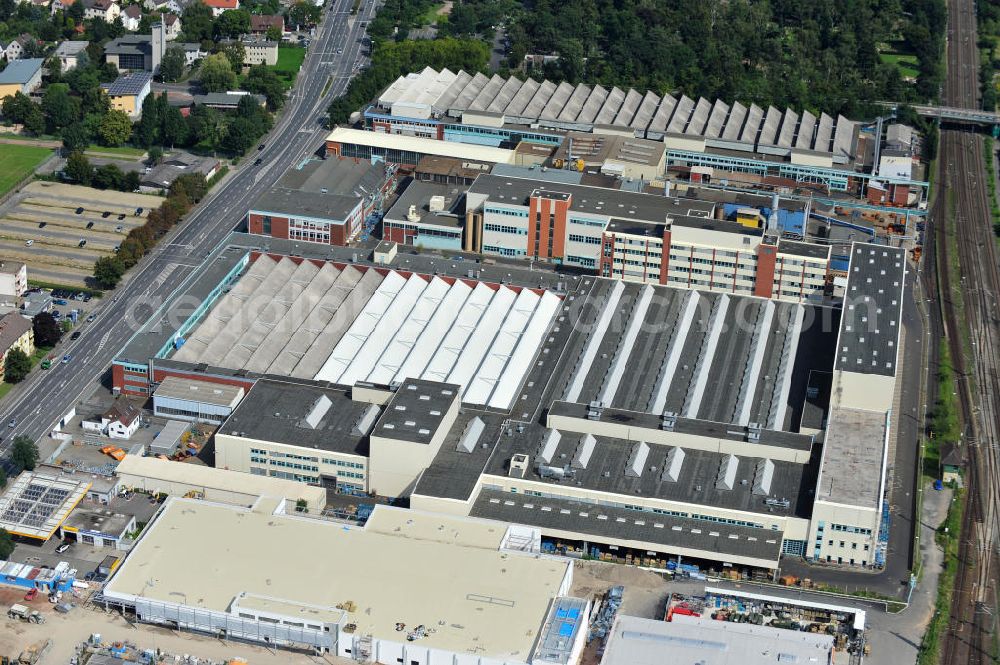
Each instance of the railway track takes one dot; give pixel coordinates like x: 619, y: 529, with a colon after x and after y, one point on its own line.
x: 972, y: 328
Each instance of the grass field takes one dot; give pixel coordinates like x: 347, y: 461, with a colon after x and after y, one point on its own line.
x: 123, y: 151
x: 907, y: 63
x: 289, y: 62
x: 18, y: 162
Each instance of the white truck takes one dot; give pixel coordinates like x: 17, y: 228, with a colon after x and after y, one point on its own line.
x: 25, y: 614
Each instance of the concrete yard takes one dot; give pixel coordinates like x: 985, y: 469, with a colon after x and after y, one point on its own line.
x: 44, y: 213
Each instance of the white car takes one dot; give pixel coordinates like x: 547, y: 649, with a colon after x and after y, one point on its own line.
x: 29, y: 243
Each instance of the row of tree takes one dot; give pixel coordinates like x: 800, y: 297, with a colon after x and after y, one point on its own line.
x: 392, y: 59
x: 185, y: 192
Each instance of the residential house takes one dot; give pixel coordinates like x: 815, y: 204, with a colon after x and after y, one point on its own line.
x: 128, y: 92
x: 219, y: 6
x: 171, y: 26
x: 13, y: 278
x: 163, y: 175
x: 16, y: 332
x: 106, y: 10
x: 69, y: 54
x: 131, y: 17
x: 21, y: 76
x: 35, y: 303
x: 120, y: 421
x: 261, y: 23
x: 15, y: 48
x: 61, y: 5
x: 192, y: 52
x: 951, y: 463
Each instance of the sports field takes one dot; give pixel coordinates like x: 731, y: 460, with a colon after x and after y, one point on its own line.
x: 17, y: 162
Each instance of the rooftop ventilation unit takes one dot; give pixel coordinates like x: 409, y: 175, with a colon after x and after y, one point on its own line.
x: 549, y: 445
x: 669, y: 421
x: 518, y: 466
x: 318, y: 410
x: 779, y: 503
x: 753, y: 433
x: 763, y: 473
x: 470, y: 437
x: 555, y: 472
x: 594, y: 410
x: 727, y: 473
x: 583, y: 451
x: 637, y: 460
x: 672, y: 465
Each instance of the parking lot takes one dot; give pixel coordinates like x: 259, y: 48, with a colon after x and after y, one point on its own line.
x: 59, y: 230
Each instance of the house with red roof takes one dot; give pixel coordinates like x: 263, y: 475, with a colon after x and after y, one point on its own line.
x: 219, y: 6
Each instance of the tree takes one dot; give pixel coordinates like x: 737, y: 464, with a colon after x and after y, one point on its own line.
x: 240, y: 135
x: 46, y: 329
x: 175, y: 129
x: 304, y: 13
x: 232, y: 23
x: 147, y: 131
x: 197, y: 22
x: 19, y: 109
x: 6, y: 544
x: 108, y: 176
x: 116, y: 128
x: 54, y: 67
x: 76, y: 13
x: 236, y: 53
x: 108, y: 271
x: 78, y: 168
x: 17, y: 364
x: 34, y: 120
x: 59, y: 108
x: 24, y: 453
x: 207, y: 126
x: 154, y: 155
x: 273, y: 33
x: 172, y: 64
x: 262, y: 80
x: 75, y: 138
x: 217, y: 74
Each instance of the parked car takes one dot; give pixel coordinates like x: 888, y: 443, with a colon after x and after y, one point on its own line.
x: 82, y: 242
x: 79, y: 211
x: 105, y: 214
x: 138, y: 211
x: 29, y: 243
x: 90, y: 225
x: 60, y: 301
x: 31, y: 595
x: 121, y: 216
x: 91, y: 318
x: 42, y: 225
x: 87, y: 297
x: 118, y: 229
x: 65, y: 545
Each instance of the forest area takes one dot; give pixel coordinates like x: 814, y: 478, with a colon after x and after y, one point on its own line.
x: 837, y: 57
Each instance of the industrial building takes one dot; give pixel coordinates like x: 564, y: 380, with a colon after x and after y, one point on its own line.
x: 676, y: 241
x: 471, y: 592
x: 35, y: 505
x: 622, y: 420
x: 218, y: 485
x: 427, y: 215
x: 195, y: 401
x: 638, y: 641
x: 406, y: 151
x: 323, y: 202
x: 472, y: 108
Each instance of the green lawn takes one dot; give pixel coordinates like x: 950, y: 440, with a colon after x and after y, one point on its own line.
x: 289, y: 63
x: 123, y: 151
x: 18, y: 162
x: 907, y: 63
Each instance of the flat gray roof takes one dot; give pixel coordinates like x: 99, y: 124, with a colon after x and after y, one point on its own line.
x: 283, y: 201
x: 873, y: 301
x: 596, y: 200
x: 617, y: 524
x: 217, y: 394
x: 279, y: 411
x: 695, y: 484
x: 417, y: 409
x: 418, y: 194
x: 702, y: 640
x: 852, y: 458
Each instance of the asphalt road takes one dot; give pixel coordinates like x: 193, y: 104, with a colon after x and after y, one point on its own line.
x: 45, y: 397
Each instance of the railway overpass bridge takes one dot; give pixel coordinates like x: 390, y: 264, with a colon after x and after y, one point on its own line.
x: 956, y: 115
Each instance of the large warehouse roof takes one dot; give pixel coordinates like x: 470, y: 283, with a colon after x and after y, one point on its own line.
x: 474, y: 597
x: 311, y: 320
x: 36, y: 504
x: 648, y: 115
x: 422, y: 146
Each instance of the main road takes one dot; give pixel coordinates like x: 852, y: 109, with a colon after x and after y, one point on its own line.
x: 334, y: 55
